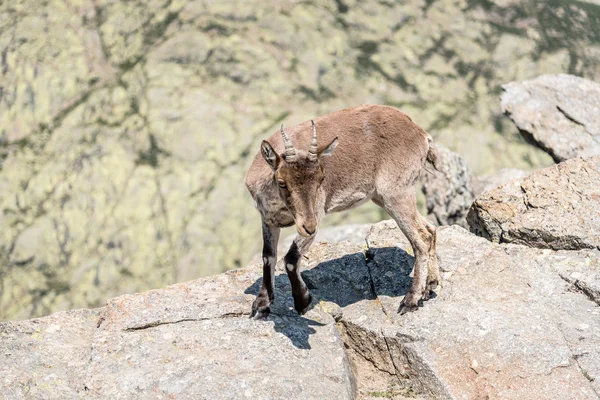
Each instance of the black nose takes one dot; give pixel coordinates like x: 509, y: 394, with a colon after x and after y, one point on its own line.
x: 308, y: 230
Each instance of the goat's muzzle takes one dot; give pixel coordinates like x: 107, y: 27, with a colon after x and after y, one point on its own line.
x: 306, y: 228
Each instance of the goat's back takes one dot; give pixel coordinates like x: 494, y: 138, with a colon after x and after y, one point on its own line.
x: 375, y: 142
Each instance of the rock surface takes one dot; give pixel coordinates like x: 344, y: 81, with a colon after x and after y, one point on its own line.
x: 558, y: 113
x: 557, y: 208
x: 504, y: 324
x: 191, y: 340
x: 447, y: 189
x: 508, y: 321
x: 46, y: 358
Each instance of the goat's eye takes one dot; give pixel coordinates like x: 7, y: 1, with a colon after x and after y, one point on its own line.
x: 281, y: 184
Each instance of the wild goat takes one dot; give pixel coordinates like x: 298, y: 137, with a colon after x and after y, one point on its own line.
x: 369, y: 152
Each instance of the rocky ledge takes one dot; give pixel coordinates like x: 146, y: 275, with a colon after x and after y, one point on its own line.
x: 509, y: 321
x: 557, y: 208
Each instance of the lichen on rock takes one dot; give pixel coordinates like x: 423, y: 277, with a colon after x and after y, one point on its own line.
x: 126, y: 125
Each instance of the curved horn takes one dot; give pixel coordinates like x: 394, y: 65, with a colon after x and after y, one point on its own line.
x: 290, y: 151
x: 312, y: 151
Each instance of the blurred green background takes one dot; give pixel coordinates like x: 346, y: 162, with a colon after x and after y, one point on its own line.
x: 126, y: 127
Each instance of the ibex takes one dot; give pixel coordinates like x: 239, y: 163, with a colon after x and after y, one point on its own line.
x: 370, y: 152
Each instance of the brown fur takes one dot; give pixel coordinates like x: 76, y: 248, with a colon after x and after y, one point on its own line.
x: 380, y: 154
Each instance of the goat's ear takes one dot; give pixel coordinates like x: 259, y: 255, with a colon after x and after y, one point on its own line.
x: 269, y: 154
x: 328, y: 150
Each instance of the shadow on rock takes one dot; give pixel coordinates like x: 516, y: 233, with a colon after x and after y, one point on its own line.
x: 344, y: 281
x: 297, y: 328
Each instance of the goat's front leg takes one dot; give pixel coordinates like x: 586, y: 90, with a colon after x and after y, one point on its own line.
x: 292, y: 259
x: 262, y: 304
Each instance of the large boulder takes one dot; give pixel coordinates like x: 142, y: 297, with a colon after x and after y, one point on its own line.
x: 447, y: 189
x: 508, y: 321
x: 555, y: 208
x: 558, y: 113
x: 504, y: 324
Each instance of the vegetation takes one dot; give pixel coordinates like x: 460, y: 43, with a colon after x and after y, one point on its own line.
x: 126, y: 127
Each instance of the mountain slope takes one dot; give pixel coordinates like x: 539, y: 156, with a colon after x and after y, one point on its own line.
x: 126, y: 128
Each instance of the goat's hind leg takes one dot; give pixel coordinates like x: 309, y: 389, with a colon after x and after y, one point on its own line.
x: 433, y: 270
x: 402, y: 206
x: 262, y: 304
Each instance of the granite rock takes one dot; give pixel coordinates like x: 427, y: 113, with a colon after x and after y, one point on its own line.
x: 556, y: 207
x: 447, y: 189
x: 558, y: 113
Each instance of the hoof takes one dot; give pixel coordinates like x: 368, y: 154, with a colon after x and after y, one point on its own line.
x: 429, y: 294
x: 260, y: 313
x: 404, y: 308
x: 261, y: 308
x: 303, y: 305
x: 410, y: 303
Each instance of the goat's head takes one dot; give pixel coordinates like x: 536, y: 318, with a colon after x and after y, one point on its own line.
x: 299, y: 174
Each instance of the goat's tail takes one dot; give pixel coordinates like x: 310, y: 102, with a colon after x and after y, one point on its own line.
x: 432, y: 155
